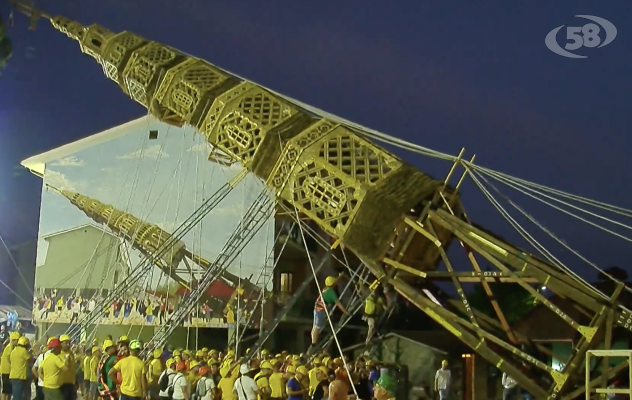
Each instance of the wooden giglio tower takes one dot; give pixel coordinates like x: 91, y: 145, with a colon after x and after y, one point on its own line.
x: 398, y: 220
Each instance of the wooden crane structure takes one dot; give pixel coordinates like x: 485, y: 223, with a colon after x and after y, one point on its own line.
x: 398, y: 220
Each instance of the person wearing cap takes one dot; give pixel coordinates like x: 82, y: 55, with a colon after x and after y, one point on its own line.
x: 68, y: 387
x: 227, y: 383
x: 19, y: 358
x: 442, y: 380
x: 327, y: 298
x: 52, y: 370
x: 123, y: 347
x: 154, y: 370
x: 86, y: 372
x: 205, y: 388
x: 293, y: 386
x: 385, y: 388
x: 245, y: 388
x: 169, y: 373
x: 181, y: 388
x: 133, y: 374
x: 5, y: 365
x: 261, y: 379
x: 321, y: 390
x: 313, y: 380
x: 39, y: 393
x: 107, y: 386
x: 93, y: 374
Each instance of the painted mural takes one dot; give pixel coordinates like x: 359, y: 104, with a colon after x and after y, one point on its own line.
x: 155, y: 176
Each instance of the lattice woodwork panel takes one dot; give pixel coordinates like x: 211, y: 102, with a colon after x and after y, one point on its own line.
x: 240, y: 118
x: 94, y: 208
x: 143, y: 66
x: 357, y: 157
x: 292, y: 150
x: 184, y: 86
x: 323, y: 193
x: 151, y: 238
x: 72, y: 29
x: 117, y: 52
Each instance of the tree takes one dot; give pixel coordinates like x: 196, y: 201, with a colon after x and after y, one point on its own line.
x: 616, y: 272
x: 514, y: 301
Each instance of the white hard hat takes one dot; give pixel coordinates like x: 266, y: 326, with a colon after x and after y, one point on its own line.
x: 244, y: 369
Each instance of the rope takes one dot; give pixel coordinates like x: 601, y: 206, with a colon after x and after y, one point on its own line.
x: 331, y: 324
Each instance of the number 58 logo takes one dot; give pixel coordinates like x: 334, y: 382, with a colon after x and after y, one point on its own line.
x: 582, y: 36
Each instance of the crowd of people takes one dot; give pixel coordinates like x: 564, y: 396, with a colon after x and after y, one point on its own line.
x: 121, y: 370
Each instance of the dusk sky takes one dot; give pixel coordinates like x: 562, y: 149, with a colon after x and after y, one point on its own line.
x: 444, y: 75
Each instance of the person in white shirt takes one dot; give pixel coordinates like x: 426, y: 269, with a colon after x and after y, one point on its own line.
x: 205, y: 386
x: 39, y: 392
x: 510, y: 387
x: 245, y: 387
x: 181, y: 389
x: 170, y: 374
x: 442, y: 380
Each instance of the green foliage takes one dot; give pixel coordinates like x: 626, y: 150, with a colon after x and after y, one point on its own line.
x: 514, y: 301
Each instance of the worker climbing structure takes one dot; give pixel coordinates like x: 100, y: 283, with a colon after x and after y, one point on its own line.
x: 396, y: 219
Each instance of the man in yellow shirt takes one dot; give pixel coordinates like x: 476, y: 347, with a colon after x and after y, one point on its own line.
x: 93, y: 367
x: 19, y: 357
x: 87, y: 358
x: 5, y: 365
x: 154, y: 371
x: 133, y: 374
x: 262, y: 380
x: 68, y: 387
x: 52, y: 370
x: 277, y: 381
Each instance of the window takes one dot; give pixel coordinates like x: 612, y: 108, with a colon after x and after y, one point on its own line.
x: 286, y: 282
x: 153, y: 135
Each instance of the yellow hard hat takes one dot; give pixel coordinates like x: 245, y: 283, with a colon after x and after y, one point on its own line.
x: 302, y: 370
x: 107, y: 344
x: 199, y: 353
x: 95, y: 349
x: 123, y: 339
x: 278, y: 356
x: 51, y: 338
x: 157, y: 353
x: 248, y: 350
x: 290, y: 369
x: 64, y: 338
x: 266, y: 365
x: 330, y: 280
x: 323, y: 369
x: 170, y: 362
x: 14, y: 335
x: 23, y: 341
x: 296, y: 358
x: 317, y: 361
x: 176, y: 352
x: 444, y: 362
x: 193, y: 364
x: 370, y: 363
x: 187, y: 352
x: 264, y: 352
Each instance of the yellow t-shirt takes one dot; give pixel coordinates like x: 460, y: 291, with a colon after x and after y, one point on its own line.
x: 87, y: 372
x: 155, y: 369
x: 94, y: 376
x: 262, y: 382
x: 70, y: 375
x: 5, y: 360
x: 226, y: 385
x: 132, y: 370
x: 313, y: 380
x: 277, y: 385
x: 19, y: 363
x: 52, y: 375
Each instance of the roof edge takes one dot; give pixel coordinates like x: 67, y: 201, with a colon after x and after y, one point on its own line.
x: 37, y: 163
